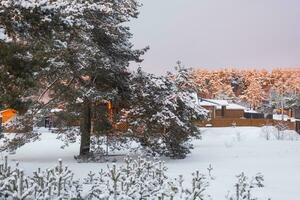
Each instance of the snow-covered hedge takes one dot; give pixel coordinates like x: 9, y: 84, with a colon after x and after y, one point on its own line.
x: 136, y: 179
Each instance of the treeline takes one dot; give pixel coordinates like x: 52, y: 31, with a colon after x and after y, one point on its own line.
x: 252, y: 86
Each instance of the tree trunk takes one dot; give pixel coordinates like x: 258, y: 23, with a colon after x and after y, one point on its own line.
x: 85, y: 128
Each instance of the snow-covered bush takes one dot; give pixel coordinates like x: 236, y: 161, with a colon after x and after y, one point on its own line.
x: 57, y: 183
x: 144, y: 179
x: 53, y: 183
x: 267, y: 131
x: 244, y: 187
x: 139, y: 178
x: 136, y: 179
x: 281, y: 127
x: 279, y: 132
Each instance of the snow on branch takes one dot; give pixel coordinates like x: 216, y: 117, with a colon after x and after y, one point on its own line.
x: 139, y: 178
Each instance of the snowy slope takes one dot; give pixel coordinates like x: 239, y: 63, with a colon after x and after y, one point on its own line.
x: 230, y: 151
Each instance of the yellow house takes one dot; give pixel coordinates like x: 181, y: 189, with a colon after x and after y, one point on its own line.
x: 7, y: 115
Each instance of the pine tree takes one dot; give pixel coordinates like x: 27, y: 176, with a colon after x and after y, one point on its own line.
x: 85, y: 51
x: 17, y: 76
x: 184, y: 78
x: 161, y: 114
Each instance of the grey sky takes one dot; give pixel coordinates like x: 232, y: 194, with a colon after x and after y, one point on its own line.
x: 218, y: 33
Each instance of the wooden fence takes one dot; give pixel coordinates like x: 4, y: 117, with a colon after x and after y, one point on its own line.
x: 298, y: 126
x: 227, y: 122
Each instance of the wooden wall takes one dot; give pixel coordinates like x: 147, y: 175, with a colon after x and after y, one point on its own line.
x: 298, y: 126
x: 230, y: 113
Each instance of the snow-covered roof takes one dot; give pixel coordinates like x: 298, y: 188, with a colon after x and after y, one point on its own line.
x: 219, y: 103
x: 234, y: 106
x: 213, y: 102
x: 55, y: 110
x: 250, y: 111
x: 205, y: 103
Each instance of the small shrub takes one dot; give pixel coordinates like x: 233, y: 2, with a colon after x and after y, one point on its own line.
x: 244, y: 187
x: 136, y: 179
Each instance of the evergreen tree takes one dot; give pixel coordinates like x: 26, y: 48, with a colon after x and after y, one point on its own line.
x: 184, y: 78
x: 85, y: 49
x: 161, y: 114
x: 17, y: 75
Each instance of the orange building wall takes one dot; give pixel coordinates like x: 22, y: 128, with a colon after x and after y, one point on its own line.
x: 7, y: 115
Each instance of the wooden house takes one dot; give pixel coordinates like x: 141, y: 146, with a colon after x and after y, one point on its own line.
x: 223, y: 113
x: 222, y: 108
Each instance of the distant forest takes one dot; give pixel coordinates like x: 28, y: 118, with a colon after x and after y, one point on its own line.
x: 257, y: 88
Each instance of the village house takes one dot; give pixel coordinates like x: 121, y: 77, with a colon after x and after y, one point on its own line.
x: 223, y: 113
x: 222, y: 108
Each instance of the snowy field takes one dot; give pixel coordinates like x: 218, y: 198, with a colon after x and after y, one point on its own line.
x: 230, y: 151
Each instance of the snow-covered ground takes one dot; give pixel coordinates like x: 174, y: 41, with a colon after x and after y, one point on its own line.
x: 230, y: 151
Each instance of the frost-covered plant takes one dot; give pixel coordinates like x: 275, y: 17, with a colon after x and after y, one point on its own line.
x: 279, y: 132
x: 197, y: 189
x: 55, y: 183
x: 281, y: 127
x: 13, y: 183
x: 139, y: 178
x: 267, y: 131
x: 145, y: 179
x: 11, y: 142
x: 244, y: 187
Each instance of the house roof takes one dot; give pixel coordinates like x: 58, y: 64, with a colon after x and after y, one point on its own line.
x: 250, y: 111
x: 234, y: 106
x: 219, y: 103
x: 213, y: 102
x: 56, y: 110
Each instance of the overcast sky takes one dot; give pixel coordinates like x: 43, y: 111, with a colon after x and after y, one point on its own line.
x: 218, y: 33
